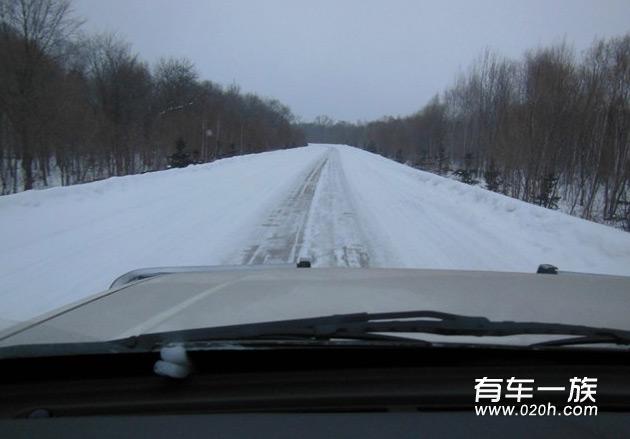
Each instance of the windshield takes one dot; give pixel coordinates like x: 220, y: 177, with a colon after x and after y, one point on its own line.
x: 178, y: 166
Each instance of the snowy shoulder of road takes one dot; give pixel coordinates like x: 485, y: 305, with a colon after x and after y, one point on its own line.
x: 337, y: 205
x: 62, y: 244
x: 419, y: 219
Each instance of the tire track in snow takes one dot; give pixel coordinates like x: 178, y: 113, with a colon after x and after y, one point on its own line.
x: 334, y: 236
x: 317, y: 221
x: 282, y: 234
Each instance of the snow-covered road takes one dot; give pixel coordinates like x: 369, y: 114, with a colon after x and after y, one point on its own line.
x: 336, y: 205
x: 316, y: 221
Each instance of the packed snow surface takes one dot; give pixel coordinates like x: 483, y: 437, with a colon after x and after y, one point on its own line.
x: 333, y: 204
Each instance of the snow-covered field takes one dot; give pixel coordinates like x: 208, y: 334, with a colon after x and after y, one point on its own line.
x: 337, y: 205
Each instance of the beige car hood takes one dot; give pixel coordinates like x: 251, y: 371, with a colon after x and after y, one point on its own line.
x: 192, y: 300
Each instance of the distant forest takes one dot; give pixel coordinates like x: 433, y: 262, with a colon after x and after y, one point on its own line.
x: 551, y: 128
x: 76, y: 107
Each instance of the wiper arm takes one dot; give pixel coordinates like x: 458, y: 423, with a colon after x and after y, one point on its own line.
x: 612, y: 338
x: 372, y: 326
x: 360, y: 326
x: 351, y: 326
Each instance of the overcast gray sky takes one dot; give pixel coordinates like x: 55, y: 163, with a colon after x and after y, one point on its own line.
x: 349, y: 59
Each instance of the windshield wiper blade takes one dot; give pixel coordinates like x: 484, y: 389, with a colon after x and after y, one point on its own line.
x: 369, y: 325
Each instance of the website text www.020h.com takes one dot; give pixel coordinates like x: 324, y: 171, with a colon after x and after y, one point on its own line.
x: 548, y: 409
x: 581, y: 390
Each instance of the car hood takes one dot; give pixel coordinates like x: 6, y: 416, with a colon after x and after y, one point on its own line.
x: 227, y: 297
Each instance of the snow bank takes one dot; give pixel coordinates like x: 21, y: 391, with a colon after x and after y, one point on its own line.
x: 420, y: 219
x: 61, y: 244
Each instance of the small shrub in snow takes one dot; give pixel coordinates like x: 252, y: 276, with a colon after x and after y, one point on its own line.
x: 466, y: 176
x: 492, y: 177
x: 180, y: 158
x: 547, y: 196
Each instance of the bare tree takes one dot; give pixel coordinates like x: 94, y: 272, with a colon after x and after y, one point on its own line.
x: 33, y: 32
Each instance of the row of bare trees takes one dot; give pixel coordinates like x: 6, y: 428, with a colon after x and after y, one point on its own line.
x: 76, y: 108
x: 551, y: 128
